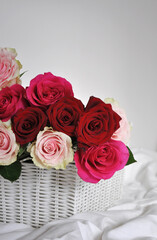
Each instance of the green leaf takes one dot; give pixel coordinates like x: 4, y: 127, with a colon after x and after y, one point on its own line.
x: 11, y: 172
x: 23, y: 152
x: 22, y: 149
x: 131, y: 157
x: 22, y: 73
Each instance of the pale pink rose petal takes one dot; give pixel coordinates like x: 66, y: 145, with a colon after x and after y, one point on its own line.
x: 52, y: 149
x: 9, y: 68
x: 8, y: 146
x: 12, y: 52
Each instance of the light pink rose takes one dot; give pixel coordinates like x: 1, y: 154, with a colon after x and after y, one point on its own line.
x: 123, y: 133
x: 9, y: 67
x: 8, y: 146
x: 102, y: 161
x: 51, y: 150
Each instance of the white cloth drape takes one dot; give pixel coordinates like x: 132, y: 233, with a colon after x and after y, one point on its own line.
x: 133, y: 218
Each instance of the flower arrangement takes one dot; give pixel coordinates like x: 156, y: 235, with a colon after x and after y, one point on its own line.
x: 46, y: 122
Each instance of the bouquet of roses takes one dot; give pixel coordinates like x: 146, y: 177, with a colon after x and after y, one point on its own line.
x: 47, y: 123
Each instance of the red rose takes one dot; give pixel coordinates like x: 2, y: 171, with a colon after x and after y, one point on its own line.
x: 102, y: 161
x: 11, y: 99
x: 64, y: 114
x: 98, y: 123
x: 45, y: 89
x: 27, y: 123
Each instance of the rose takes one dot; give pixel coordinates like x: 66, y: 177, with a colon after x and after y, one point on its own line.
x: 11, y: 99
x: 122, y: 133
x: 102, y: 161
x: 64, y: 114
x: 27, y: 123
x: 8, y: 52
x: 9, y: 67
x: 8, y: 146
x: 98, y: 123
x: 52, y: 149
x: 45, y: 89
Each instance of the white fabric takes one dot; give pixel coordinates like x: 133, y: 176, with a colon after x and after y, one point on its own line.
x: 133, y: 218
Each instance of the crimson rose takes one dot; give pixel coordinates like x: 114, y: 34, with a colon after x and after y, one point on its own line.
x: 98, y: 123
x: 45, y: 89
x: 11, y: 99
x: 64, y: 114
x: 102, y: 161
x: 27, y: 123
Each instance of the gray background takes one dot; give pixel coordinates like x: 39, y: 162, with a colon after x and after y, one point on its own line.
x: 105, y: 48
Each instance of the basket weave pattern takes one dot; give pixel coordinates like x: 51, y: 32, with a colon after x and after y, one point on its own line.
x: 40, y: 196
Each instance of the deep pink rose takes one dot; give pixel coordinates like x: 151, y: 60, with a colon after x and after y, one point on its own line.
x: 98, y: 123
x: 102, y: 161
x: 45, y: 89
x: 11, y: 99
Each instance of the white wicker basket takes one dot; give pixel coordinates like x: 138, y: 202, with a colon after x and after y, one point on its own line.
x: 40, y: 196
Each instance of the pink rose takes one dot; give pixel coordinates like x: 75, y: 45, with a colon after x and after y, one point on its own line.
x: 9, y: 67
x: 45, y: 89
x: 102, y: 161
x: 122, y: 133
x: 8, y: 146
x: 11, y: 99
x: 51, y: 150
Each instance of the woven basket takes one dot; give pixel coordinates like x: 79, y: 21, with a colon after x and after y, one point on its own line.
x: 40, y: 196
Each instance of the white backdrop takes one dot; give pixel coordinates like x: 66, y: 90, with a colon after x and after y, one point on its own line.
x: 105, y: 48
